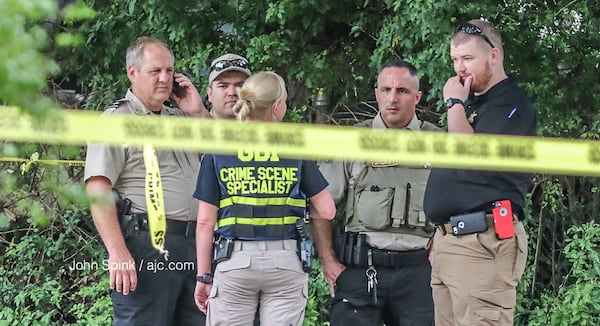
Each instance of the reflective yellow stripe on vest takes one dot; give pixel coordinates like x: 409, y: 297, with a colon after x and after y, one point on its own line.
x: 253, y: 201
x: 258, y: 220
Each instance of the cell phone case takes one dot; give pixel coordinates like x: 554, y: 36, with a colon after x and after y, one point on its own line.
x: 468, y: 223
x: 503, y: 219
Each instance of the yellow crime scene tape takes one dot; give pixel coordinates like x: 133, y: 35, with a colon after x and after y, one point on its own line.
x: 435, y: 149
x: 157, y: 218
x: 488, y: 152
x: 35, y: 159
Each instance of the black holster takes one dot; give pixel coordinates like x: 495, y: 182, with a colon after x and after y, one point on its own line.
x: 350, y: 247
x: 339, y: 242
x: 129, y: 225
x: 222, y: 250
x: 306, y: 249
x: 127, y: 221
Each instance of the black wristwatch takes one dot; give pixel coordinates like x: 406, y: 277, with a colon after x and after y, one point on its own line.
x: 452, y: 102
x: 205, y: 278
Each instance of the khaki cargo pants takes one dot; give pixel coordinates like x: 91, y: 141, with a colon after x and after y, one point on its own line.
x: 267, y: 274
x: 474, y: 277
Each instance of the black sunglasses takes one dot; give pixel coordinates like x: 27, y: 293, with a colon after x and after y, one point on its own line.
x: 220, y: 65
x: 473, y: 30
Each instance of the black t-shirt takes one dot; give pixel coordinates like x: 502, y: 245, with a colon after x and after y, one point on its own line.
x: 207, y: 185
x: 503, y: 109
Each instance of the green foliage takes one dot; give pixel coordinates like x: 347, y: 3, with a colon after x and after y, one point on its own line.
x: 318, y: 298
x: 24, y: 69
x: 77, y: 12
x: 577, y: 301
x: 38, y: 281
x: 40, y: 193
x: 295, y: 114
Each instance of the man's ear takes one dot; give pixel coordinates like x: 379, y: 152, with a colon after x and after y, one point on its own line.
x: 131, y: 72
x: 209, y: 93
x: 496, y: 56
x: 418, y: 96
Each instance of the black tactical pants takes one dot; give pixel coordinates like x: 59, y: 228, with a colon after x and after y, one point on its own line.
x: 403, y: 297
x: 165, y: 289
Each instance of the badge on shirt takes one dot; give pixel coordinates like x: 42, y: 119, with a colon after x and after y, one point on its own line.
x: 472, y: 117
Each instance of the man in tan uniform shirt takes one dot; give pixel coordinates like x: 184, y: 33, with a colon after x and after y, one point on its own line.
x: 379, y: 267
x: 146, y: 288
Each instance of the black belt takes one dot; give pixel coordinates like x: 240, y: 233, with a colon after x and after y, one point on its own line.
x: 352, y: 249
x: 446, y: 228
x: 186, y: 228
x: 392, y: 258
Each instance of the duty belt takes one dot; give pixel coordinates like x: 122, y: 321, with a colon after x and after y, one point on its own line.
x: 352, y: 249
x: 140, y: 222
x: 389, y: 258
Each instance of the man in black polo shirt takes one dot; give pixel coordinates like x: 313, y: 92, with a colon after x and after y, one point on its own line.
x: 476, y: 262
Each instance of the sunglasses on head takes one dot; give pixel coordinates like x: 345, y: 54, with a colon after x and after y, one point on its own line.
x: 222, y: 64
x: 473, y: 30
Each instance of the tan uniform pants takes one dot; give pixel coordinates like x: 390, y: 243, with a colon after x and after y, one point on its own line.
x: 267, y: 274
x: 474, y: 277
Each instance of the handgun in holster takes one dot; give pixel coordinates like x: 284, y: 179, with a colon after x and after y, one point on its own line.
x: 127, y: 221
x: 305, y: 245
x: 222, y: 250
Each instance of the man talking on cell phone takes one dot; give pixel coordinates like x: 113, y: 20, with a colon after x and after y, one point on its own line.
x: 479, y: 250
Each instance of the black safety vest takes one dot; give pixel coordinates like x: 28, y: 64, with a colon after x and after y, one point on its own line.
x: 260, y: 196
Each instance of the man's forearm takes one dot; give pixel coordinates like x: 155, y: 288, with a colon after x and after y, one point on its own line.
x: 322, y: 233
x: 104, y: 214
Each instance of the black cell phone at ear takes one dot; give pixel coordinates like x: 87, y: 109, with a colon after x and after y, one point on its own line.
x: 178, y: 90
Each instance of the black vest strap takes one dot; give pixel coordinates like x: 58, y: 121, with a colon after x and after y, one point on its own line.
x: 242, y: 231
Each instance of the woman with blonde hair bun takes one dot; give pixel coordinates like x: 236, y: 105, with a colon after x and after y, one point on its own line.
x: 254, y: 199
x: 263, y: 97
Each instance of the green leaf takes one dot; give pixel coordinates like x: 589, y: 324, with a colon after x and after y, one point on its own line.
x: 77, y: 11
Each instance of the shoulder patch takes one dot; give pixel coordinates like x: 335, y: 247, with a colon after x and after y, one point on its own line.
x: 173, y: 110
x: 365, y: 124
x: 117, y: 103
x: 428, y: 126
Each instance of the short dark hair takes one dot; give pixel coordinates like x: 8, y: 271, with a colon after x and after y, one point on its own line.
x: 397, y: 63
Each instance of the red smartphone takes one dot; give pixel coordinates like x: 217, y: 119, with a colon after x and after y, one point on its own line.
x: 503, y: 219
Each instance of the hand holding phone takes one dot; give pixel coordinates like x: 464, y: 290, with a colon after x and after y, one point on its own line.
x: 178, y: 90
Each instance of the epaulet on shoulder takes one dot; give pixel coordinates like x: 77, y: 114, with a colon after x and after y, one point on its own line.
x: 428, y: 126
x: 173, y: 110
x: 117, y: 103
x: 365, y: 124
